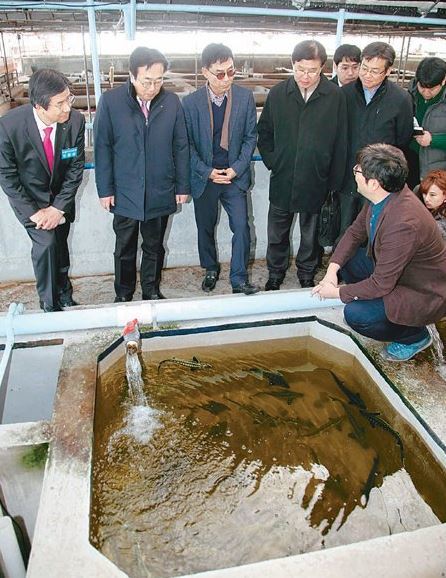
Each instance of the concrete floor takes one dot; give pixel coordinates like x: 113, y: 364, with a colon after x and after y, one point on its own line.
x: 176, y: 283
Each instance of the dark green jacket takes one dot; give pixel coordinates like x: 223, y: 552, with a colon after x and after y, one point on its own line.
x: 434, y: 120
x: 303, y: 144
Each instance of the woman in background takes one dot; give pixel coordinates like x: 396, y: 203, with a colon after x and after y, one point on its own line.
x: 432, y: 191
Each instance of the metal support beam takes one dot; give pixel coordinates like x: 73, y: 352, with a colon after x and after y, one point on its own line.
x: 340, y: 27
x: 13, y: 5
x: 132, y: 8
x: 94, y: 53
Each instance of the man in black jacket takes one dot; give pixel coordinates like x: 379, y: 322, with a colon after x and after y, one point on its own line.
x: 41, y: 167
x: 142, y: 168
x: 378, y: 111
x: 302, y: 140
x: 346, y: 61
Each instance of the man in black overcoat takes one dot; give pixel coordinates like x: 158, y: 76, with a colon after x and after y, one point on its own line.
x: 302, y: 140
x: 41, y: 167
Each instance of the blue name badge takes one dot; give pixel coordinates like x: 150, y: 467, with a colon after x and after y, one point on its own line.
x: 68, y: 153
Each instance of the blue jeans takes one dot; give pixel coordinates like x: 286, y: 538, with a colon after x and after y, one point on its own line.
x: 369, y: 317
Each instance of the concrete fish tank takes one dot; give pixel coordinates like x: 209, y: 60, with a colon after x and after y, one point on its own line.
x: 256, y: 442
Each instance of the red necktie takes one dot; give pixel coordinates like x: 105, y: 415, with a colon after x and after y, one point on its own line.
x: 48, y: 147
x: 144, y: 108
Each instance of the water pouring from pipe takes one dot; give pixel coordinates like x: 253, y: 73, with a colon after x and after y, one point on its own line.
x: 140, y: 420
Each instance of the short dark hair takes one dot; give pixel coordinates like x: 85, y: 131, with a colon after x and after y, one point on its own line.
x: 309, y: 50
x: 347, y: 51
x: 379, y: 50
x: 431, y: 72
x: 146, y: 57
x: 213, y: 53
x: 44, y: 84
x: 385, y: 163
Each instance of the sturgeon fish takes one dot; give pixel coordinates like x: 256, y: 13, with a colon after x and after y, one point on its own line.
x: 193, y: 364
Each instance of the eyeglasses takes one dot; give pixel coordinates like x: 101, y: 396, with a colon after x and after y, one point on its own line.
x: 372, y: 71
x: 356, y: 170
x: 69, y: 101
x: 310, y: 73
x: 148, y: 83
x: 221, y: 75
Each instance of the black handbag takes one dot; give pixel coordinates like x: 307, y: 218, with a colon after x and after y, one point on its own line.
x: 329, y: 221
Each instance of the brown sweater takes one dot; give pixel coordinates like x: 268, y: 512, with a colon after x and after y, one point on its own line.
x: 410, y: 261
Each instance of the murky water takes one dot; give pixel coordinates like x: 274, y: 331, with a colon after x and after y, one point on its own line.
x: 278, y: 448
x: 438, y: 351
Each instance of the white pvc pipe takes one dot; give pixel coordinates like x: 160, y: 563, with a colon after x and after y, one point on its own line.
x: 11, y: 561
x: 169, y: 310
x: 8, y: 321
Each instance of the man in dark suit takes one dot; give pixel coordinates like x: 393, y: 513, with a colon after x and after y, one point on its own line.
x: 221, y: 123
x: 142, y: 168
x: 41, y: 167
x: 378, y: 111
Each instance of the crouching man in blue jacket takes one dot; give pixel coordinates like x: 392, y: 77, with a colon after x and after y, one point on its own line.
x: 142, y: 168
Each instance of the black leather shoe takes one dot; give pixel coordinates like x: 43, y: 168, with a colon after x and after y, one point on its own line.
x: 153, y: 296
x: 246, y: 288
x: 68, y: 302
x: 273, y: 284
x: 210, y: 280
x: 119, y: 299
x: 49, y: 308
x: 306, y: 283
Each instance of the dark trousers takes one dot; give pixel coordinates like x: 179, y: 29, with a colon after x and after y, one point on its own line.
x: 369, y: 317
x: 278, y: 251
x: 51, y: 262
x: 235, y: 204
x: 126, y: 247
x: 350, y: 205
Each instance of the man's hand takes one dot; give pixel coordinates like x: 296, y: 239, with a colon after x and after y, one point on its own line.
x: 326, y: 290
x: 328, y: 287
x: 181, y: 199
x: 48, y: 219
x: 107, y: 202
x: 220, y: 177
x: 230, y: 173
x: 425, y: 139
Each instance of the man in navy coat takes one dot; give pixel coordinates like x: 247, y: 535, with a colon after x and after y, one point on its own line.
x: 142, y: 168
x: 221, y: 124
x: 41, y: 167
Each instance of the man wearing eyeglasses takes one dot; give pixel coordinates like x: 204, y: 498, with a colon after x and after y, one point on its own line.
x: 379, y: 111
x: 41, y: 167
x: 142, y: 169
x: 392, y: 259
x: 302, y: 140
x: 221, y: 123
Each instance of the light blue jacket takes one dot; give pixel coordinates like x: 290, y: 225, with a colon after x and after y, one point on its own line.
x: 242, y: 137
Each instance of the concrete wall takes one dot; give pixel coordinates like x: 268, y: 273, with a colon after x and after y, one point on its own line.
x: 92, y: 238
